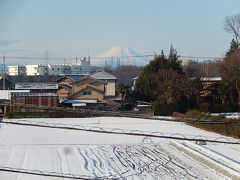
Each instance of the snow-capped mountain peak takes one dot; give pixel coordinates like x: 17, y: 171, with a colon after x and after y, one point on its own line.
x: 122, y: 55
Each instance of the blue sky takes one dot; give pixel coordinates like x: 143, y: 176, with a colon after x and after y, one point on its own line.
x: 69, y: 28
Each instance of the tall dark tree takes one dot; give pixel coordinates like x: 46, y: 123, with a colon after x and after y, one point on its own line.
x: 230, y: 67
x: 158, y: 75
x: 233, y: 47
x: 174, y: 60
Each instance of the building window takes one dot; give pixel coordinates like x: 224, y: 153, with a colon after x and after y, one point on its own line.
x: 87, y: 93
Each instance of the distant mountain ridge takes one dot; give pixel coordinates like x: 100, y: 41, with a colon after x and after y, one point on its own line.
x: 120, y: 56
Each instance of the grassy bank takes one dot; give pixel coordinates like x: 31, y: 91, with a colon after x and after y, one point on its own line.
x: 47, y: 114
x: 224, y: 129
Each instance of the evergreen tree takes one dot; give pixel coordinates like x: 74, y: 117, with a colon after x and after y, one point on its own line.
x: 173, y: 58
x: 230, y: 67
x: 234, y: 47
x: 147, y: 86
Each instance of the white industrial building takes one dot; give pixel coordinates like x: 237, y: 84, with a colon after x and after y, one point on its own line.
x: 16, y: 70
x: 36, y: 70
x: 59, y: 69
x: 79, y: 67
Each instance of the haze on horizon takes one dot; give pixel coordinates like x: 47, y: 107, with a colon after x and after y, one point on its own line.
x: 74, y: 28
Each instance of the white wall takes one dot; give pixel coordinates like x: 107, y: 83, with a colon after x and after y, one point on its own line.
x: 16, y: 70
x: 6, y: 94
x: 81, y: 67
x: 36, y: 70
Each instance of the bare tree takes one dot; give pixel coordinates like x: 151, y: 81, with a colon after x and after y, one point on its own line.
x: 230, y: 70
x: 232, y: 25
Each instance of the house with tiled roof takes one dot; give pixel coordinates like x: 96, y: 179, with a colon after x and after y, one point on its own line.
x: 90, y: 91
x: 87, y: 93
x: 110, y: 81
x: 65, y: 85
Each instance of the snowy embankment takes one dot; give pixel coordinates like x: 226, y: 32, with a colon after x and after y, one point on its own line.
x: 94, y: 155
x: 212, y: 160
x: 229, y: 115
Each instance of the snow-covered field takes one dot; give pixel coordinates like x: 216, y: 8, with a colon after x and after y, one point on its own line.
x: 114, y: 156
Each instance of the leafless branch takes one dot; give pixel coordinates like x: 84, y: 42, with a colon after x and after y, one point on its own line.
x: 232, y: 25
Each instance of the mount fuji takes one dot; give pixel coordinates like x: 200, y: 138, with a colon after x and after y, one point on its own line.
x: 120, y: 56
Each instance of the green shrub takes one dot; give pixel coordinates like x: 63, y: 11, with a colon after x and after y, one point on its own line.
x: 167, y: 109
x: 195, y: 114
x: 161, y: 108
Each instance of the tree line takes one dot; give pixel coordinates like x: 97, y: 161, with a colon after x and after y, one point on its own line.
x: 164, y: 83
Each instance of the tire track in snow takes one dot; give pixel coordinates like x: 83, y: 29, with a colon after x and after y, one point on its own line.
x: 111, y: 162
x: 154, y: 165
x: 142, y: 152
x: 22, y: 163
x: 85, y: 160
x: 125, y: 159
x: 93, y: 163
x: 101, y: 164
x: 96, y: 161
x: 6, y: 159
x: 63, y: 162
x: 184, y: 169
x: 87, y: 165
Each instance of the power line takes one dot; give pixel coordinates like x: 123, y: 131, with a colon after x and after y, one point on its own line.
x: 38, y: 58
x: 44, y: 173
x: 122, y: 132
x: 201, y: 57
x: 107, y: 57
x: 124, y: 57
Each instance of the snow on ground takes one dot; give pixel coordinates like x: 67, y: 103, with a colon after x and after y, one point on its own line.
x: 114, y: 156
x: 230, y: 115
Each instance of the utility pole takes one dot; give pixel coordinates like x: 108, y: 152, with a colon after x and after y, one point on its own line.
x: 88, y: 55
x: 118, y: 62
x: 4, y: 82
x: 46, y: 58
x: 64, y: 67
x: 105, y: 64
